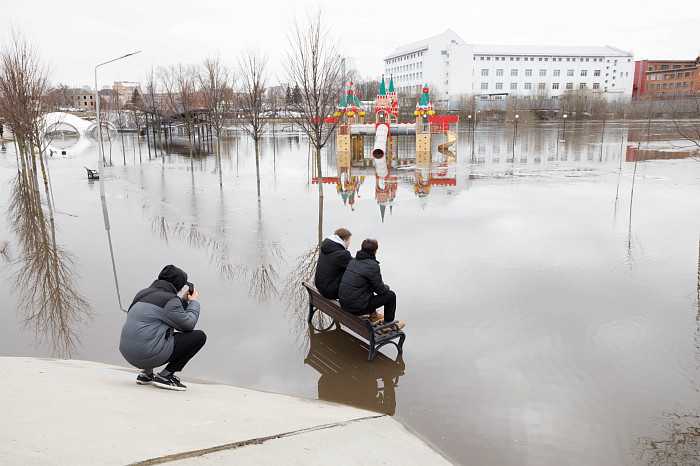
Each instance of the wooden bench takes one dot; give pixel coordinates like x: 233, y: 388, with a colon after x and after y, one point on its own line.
x: 358, y: 324
x: 92, y: 174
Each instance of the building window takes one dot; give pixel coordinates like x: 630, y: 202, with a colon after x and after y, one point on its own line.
x: 513, y: 72
x: 484, y: 86
x: 596, y: 85
x: 596, y: 73
x: 671, y: 85
x: 584, y: 72
x: 499, y: 86
x: 542, y: 86
x: 499, y: 72
x: 484, y: 72
x: 555, y: 85
x: 513, y: 86
x: 569, y: 72
x: 511, y: 58
x: 569, y: 85
x: 528, y: 72
x: 582, y: 86
x: 543, y: 72
x: 557, y: 72
x: 528, y: 86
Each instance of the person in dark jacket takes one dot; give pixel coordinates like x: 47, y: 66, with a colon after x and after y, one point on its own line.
x: 362, y: 290
x: 159, y: 329
x: 332, y: 261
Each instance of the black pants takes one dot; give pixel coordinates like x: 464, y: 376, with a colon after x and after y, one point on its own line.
x: 187, y: 344
x: 388, y: 300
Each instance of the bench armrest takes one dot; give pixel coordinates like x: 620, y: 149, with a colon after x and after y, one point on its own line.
x: 391, y: 324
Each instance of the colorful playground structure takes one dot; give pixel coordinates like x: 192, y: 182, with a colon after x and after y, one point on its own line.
x: 352, y: 129
x: 385, y: 131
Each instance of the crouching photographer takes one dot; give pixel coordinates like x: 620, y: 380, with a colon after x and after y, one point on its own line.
x: 159, y: 329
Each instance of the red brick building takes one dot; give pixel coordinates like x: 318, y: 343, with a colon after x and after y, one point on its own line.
x: 664, y: 78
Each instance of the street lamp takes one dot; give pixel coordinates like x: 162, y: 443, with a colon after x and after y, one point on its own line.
x: 101, y: 155
x: 564, y: 132
x: 471, y: 130
x: 515, y: 133
x: 100, y: 168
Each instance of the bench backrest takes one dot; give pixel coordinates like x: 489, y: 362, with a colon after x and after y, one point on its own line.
x: 332, y: 308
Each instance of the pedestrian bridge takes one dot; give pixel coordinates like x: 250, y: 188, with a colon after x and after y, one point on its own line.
x: 61, y: 121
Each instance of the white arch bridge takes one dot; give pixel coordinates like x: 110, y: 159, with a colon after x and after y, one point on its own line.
x: 61, y: 121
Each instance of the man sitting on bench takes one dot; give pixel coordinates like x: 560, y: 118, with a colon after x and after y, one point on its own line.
x: 332, y: 261
x: 362, y: 290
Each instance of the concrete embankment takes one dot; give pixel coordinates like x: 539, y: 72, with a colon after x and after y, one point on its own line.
x: 79, y: 412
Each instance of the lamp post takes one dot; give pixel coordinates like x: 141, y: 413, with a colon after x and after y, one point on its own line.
x: 515, y: 133
x: 100, y: 168
x: 100, y: 151
x: 564, y: 132
x: 471, y: 131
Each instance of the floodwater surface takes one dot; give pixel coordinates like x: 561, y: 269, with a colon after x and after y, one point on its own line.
x: 549, y: 280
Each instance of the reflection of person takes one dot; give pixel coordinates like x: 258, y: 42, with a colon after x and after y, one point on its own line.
x: 159, y: 329
x: 332, y: 261
x: 362, y: 290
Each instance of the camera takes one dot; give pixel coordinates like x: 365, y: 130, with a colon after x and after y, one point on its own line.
x: 191, y: 287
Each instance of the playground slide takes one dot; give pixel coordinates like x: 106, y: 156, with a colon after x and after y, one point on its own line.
x: 443, y: 148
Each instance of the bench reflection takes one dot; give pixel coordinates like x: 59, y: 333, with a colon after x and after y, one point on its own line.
x: 347, y: 377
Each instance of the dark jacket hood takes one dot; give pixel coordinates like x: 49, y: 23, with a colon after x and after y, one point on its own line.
x: 176, y: 276
x: 328, y: 246
x: 362, y: 254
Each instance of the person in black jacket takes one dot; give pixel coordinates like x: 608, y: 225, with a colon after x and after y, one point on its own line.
x: 362, y: 290
x: 332, y: 261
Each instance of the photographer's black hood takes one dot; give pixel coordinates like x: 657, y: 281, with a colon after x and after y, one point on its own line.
x: 174, y: 275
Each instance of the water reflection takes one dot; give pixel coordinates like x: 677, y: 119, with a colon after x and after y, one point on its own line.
x: 44, y: 273
x: 215, y: 251
x: 678, y: 441
x: 347, y: 377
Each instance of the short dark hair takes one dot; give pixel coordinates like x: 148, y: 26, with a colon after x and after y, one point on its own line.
x: 343, y: 233
x: 370, y: 245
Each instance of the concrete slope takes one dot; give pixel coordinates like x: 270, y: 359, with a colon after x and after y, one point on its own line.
x: 79, y: 412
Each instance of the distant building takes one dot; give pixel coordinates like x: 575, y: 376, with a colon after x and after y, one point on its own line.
x: 81, y: 99
x: 125, y: 90
x: 666, y: 78
x: 452, y: 67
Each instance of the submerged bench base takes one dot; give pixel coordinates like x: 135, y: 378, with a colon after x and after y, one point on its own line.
x: 358, y: 324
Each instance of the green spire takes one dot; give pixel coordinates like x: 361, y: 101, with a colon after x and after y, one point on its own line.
x: 382, y: 208
x: 382, y: 90
x: 425, y: 98
x: 391, y: 84
x: 344, y: 102
x: 345, y: 198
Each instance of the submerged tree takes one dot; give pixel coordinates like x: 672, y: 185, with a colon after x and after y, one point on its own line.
x: 216, y: 82
x: 180, y: 83
x: 252, y: 65
x: 313, y: 62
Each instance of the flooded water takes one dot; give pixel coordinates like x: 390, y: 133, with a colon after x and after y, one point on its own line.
x: 551, y: 294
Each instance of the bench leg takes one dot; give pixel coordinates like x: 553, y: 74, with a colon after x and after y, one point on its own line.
x: 400, y: 345
x: 312, y: 310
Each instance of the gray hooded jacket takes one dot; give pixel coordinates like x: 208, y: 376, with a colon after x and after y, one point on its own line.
x: 157, y: 311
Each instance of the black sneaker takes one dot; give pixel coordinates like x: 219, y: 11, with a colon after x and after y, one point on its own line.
x: 144, y: 379
x: 171, y: 382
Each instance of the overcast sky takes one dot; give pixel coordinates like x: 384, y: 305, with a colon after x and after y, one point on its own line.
x: 74, y: 36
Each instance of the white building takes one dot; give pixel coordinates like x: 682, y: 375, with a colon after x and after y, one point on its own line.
x: 452, y: 67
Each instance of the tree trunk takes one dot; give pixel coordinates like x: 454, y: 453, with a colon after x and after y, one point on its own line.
x: 257, y: 165
x: 218, y: 156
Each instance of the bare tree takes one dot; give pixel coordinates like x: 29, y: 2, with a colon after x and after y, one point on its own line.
x: 216, y: 81
x: 180, y: 83
x: 252, y: 65
x: 313, y: 63
x: 150, y: 104
x: 684, y: 114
